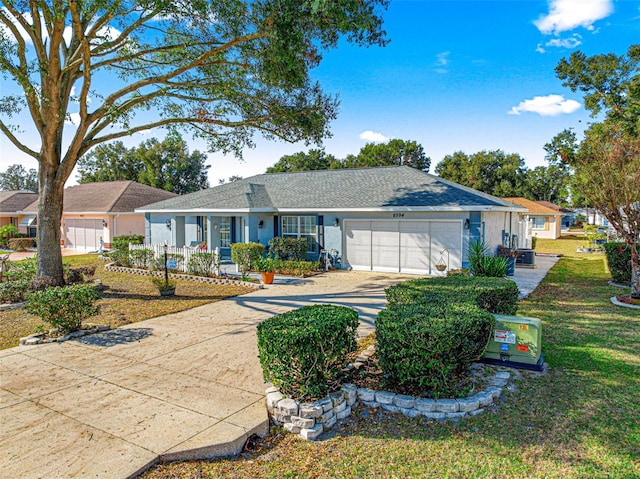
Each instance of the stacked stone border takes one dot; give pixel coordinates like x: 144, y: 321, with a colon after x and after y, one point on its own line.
x: 39, y: 338
x: 310, y: 420
x: 186, y: 277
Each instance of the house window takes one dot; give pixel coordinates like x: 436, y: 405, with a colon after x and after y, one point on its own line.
x: 225, y: 231
x: 202, y: 228
x: 301, y: 227
x: 538, y: 223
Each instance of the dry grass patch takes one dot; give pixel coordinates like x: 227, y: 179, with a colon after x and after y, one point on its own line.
x: 126, y: 299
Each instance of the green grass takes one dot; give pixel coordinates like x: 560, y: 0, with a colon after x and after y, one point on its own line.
x: 581, y: 420
x: 127, y: 298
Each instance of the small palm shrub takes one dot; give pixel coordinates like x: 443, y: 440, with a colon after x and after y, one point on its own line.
x: 481, y: 263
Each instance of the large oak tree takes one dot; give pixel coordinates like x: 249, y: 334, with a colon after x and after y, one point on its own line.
x: 116, y: 67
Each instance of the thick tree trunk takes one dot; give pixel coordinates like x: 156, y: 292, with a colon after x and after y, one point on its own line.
x: 51, y: 191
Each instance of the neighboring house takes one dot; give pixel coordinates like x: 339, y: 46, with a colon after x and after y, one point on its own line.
x: 568, y: 216
x: 394, y: 219
x: 594, y: 217
x: 93, y: 212
x: 11, y: 203
x: 545, y: 222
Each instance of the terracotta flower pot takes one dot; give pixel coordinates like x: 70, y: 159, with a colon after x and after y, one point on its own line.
x: 267, y: 278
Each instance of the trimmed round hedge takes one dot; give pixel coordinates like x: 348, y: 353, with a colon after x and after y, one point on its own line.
x: 619, y: 261
x: 428, y: 347
x: 302, y: 351
x: 496, y: 295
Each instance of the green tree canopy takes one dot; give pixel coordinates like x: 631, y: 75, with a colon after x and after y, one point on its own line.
x: 16, y: 178
x: 494, y: 172
x: 393, y: 153
x: 315, y: 159
x: 606, y: 163
x: 87, y: 73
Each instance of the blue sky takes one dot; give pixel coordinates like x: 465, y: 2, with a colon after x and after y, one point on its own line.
x: 457, y: 75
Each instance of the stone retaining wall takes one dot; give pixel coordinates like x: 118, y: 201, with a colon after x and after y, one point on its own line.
x: 310, y: 420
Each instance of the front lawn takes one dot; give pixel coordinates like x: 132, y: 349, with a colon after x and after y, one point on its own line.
x: 581, y: 420
x: 126, y: 299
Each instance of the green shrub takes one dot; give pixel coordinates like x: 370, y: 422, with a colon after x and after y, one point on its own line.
x: 534, y: 242
x: 302, y: 351
x: 14, y: 291
x: 619, y: 261
x: 482, y: 264
x: 141, y: 258
x: 203, y: 264
x: 496, y: 295
x: 459, y: 272
x: 287, y: 248
x: 245, y: 254
x: 158, y: 263
x: 25, y: 269
x: 7, y: 232
x: 427, y: 348
x: 64, y: 307
x: 120, y: 257
x: 20, y: 244
x: 295, y: 267
x: 122, y: 242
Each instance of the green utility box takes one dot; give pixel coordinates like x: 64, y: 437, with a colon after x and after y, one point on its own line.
x: 516, y: 342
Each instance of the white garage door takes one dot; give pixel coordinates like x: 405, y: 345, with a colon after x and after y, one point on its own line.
x: 83, y: 233
x: 403, y: 246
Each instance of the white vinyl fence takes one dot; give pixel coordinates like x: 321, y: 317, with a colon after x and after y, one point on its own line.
x: 181, y: 256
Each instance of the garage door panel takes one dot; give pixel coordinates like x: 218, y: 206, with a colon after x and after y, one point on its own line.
x: 358, y: 244
x: 446, y: 235
x: 385, y: 244
x: 414, y: 247
x: 83, y: 233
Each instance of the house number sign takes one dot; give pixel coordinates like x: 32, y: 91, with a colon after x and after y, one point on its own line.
x: 398, y: 215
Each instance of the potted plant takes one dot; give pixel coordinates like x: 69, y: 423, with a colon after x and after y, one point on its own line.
x: 511, y: 255
x: 165, y: 286
x: 266, y: 266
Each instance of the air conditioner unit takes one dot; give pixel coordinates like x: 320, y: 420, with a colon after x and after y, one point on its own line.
x: 516, y: 342
x: 526, y: 256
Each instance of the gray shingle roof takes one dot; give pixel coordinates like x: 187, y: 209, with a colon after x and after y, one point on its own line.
x: 367, y: 188
x: 108, y: 197
x: 13, y: 201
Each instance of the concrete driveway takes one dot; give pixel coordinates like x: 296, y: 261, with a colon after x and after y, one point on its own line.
x: 186, y: 385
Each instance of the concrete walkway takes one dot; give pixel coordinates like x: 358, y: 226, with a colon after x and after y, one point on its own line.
x: 182, y: 386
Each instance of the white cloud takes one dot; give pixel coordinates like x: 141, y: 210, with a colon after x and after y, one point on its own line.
x: 540, y: 49
x: 550, y: 105
x: 565, y: 15
x: 571, y: 42
x: 442, y: 60
x: 373, y: 137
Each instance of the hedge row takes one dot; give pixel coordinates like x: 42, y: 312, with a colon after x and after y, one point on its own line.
x: 303, y: 350
x: 619, y: 261
x: 496, y: 295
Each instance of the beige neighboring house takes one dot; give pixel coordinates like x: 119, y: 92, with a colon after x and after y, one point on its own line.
x: 11, y: 204
x: 93, y: 212
x: 545, y: 222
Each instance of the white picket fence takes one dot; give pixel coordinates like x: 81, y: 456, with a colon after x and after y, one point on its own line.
x: 186, y: 252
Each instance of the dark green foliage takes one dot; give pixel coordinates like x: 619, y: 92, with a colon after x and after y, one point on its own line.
x: 302, y: 351
x: 7, y: 232
x: 25, y: 269
x: 122, y: 242
x: 288, y: 248
x: 202, y: 264
x: 428, y: 347
x: 496, y: 295
x: 64, y: 307
x: 120, y: 257
x: 619, y: 261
